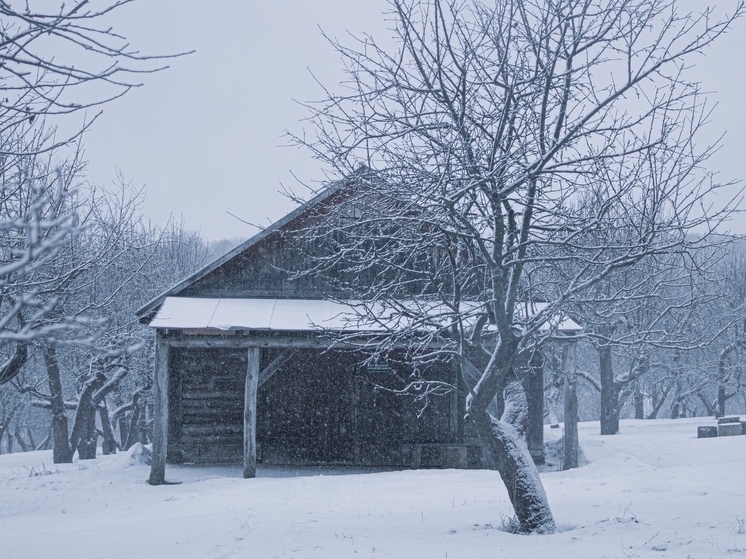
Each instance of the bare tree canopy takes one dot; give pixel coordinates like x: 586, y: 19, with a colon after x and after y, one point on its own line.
x: 53, y: 61
x: 511, y: 152
x: 51, y: 58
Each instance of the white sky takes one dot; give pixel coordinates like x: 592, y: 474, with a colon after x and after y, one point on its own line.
x: 206, y: 135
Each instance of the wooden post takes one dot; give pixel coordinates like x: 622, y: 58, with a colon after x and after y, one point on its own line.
x: 571, y: 407
x: 160, y: 420
x: 533, y: 385
x: 249, y: 412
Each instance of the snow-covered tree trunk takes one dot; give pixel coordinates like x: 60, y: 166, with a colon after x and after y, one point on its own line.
x: 109, y: 446
x: 506, y: 447
x: 509, y: 453
x: 515, y: 411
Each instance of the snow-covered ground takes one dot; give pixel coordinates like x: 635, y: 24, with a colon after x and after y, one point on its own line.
x: 655, y: 490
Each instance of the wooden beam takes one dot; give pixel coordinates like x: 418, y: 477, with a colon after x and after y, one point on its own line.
x: 276, y: 365
x: 160, y: 419
x: 266, y: 339
x: 249, y: 413
x: 240, y: 342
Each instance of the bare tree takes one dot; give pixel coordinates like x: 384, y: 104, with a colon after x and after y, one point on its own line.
x: 38, y: 219
x: 474, y: 148
x: 53, y: 62
x: 100, y: 370
x: 645, y: 317
x: 51, y: 58
x: 731, y: 376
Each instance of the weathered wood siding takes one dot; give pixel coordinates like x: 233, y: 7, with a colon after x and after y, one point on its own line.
x: 280, y: 265
x: 319, y: 408
x: 263, y: 270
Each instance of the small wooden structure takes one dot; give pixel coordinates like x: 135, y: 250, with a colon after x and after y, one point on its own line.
x: 245, y: 371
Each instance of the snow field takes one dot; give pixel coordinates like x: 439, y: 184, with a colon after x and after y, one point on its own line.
x: 655, y: 490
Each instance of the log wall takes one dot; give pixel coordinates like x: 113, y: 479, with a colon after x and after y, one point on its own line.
x: 206, y: 419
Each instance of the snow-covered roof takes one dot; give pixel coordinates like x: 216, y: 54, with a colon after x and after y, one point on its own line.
x: 560, y: 323
x: 256, y: 314
x: 302, y: 315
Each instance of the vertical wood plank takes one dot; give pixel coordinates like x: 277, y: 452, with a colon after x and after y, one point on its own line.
x: 249, y: 414
x: 175, y: 405
x: 571, y: 408
x: 160, y: 419
x: 454, y: 397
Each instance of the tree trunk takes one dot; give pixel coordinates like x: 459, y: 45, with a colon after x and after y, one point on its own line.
x: 145, y: 425
x: 123, y: 431
x: 13, y: 366
x: 675, y: 409
x: 552, y: 398
x: 109, y: 446
x: 706, y: 403
x: 609, y: 393
x: 62, y: 452
x: 659, y: 404
x: 722, y: 378
x: 84, y: 434
x: 497, y: 407
x: 639, y: 400
x: 128, y: 427
x: 677, y: 400
x: 19, y: 438
x: 5, y: 423
x: 134, y: 429
x: 518, y: 472
x: 30, y: 435
x: 508, y: 450
x: 98, y: 401
x: 44, y: 445
x: 515, y: 405
x: 721, y: 401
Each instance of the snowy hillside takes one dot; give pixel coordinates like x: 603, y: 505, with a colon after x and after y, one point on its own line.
x: 653, y: 491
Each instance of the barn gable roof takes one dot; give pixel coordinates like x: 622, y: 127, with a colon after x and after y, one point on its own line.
x: 180, y: 307
x: 149, y: 308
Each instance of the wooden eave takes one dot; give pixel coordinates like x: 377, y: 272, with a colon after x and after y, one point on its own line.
x: 213, y: 338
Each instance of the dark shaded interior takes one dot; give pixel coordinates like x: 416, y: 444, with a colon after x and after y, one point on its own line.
x: 321, y: 407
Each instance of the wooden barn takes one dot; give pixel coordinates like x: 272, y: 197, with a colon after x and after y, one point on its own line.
x: 245, y: 372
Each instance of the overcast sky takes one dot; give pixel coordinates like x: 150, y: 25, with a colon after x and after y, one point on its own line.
x: 206, y: 135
